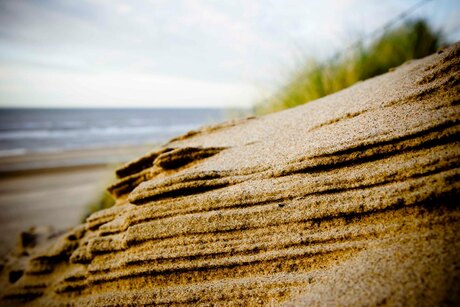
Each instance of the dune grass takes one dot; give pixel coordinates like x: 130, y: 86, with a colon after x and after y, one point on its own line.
x: 104, y: 201
x: 315, y: 79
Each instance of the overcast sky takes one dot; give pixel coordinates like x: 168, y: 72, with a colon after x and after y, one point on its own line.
x: 160, y: 53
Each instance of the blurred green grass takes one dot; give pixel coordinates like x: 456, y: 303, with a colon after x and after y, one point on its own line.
x: 315, y: 79
x: 104, y: 201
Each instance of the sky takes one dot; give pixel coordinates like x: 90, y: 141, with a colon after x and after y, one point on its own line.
x: 178, y: 53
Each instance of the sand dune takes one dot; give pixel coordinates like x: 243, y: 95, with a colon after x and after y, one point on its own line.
x: 348, y: 200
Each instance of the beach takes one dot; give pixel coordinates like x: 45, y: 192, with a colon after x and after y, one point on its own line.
x: 54, y: 189
x: 54, y: 162
x: 347, y: 200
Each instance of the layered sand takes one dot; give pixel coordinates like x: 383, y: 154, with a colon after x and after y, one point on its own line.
x: 349, y: 200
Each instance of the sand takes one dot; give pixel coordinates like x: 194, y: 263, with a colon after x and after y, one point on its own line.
x: 31, y: 184
x: 348, y: 200
x: 29, y: 200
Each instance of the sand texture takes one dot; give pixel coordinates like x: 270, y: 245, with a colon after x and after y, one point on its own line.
x: 348, y: 200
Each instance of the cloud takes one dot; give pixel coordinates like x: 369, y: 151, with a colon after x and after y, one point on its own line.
x: 223, y: 44
x: 60, y: 89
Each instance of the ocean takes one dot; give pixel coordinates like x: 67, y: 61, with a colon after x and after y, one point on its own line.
x: 25, y: 131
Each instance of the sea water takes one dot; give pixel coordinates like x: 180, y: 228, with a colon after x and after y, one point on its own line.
x: 42, y: 130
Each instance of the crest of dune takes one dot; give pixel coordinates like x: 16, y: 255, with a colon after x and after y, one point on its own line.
x: 348, y: 200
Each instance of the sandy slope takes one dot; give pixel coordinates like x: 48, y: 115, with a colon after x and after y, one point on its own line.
x: 348, y: 200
